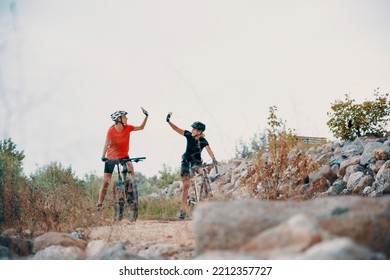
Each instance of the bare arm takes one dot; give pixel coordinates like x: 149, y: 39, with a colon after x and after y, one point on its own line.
x: 105, y: 147
x: 142, y: 126
x: 174, y: 127
x: 210, y: 152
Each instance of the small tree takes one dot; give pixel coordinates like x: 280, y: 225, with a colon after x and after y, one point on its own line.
x: 53, y: 176
x: 167, y: 177
x: 145, y: 185
x: 257, y: 142
x: 12, y: 180
x: 11, y: 166
x: 281, y: 166
x: 349, y: 120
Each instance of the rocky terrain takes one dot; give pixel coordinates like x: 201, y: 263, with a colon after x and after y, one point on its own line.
x: 348, y: 218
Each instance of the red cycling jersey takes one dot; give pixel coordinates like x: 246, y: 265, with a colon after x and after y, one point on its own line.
x: 119, y: 142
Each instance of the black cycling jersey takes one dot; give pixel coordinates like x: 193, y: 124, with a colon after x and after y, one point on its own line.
x: 194, y: 148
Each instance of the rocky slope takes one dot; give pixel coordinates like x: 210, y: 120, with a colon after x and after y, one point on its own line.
x: 359, y: 167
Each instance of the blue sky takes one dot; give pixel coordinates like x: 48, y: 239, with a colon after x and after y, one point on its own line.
x: 65, y: 66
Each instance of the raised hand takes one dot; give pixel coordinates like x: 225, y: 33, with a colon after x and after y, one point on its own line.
x: 145, y: 112
x: 169, y: 116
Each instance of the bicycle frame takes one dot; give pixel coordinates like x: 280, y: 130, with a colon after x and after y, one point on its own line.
x: 125, y: 190
x: 200, y: 183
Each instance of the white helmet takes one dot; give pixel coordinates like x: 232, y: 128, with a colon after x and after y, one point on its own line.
x: 117, y: 114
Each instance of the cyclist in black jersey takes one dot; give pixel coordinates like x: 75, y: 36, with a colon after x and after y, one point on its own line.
x: 191, y: 158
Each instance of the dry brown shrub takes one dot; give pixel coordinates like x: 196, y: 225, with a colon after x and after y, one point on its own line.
x: 59, y: 209
x: 282, y: 168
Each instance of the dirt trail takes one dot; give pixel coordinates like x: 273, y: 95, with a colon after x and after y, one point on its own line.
x: 170, y: 239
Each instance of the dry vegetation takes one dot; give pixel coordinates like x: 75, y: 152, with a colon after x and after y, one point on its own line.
x: 281, y: 167
x: 54, y: 199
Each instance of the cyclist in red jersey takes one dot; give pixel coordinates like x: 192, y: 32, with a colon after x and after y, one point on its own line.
x: 117, y: 146
x: 191, y: 158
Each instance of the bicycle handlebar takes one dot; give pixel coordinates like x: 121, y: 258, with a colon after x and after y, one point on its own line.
x: 124, y: 160
x: 135, y: 159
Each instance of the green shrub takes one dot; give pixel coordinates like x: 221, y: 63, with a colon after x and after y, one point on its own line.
x: 91, y: 185
x: 145, y: 185
x: 167, y: 177
x: 53, y: 176
x: 12, y: 181
x: 349, y: 120
x: 247, y: 149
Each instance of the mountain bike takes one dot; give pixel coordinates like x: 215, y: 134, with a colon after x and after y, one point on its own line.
x: 125, y: 192
x: 200, y: 188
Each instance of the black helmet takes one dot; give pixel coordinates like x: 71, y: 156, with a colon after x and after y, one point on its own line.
x: 199, y: 126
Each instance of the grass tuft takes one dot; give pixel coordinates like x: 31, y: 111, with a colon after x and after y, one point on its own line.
x: 159, y: 209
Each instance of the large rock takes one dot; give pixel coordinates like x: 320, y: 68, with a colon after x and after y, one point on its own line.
x: 57, y: 238
x: 351, y: 150
x: 382, y: 183
x: 228, y: 226
x: 348, y: 162
x: 117, y: 251
x: 290, y: 237
x: 56, y: 252
x: 17, y: 247
x: 95, y: 249
x: 342, y: 248
x: 368, y: 155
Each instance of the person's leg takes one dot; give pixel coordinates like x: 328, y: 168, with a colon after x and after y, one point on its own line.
x: 184, y: 195
x: 108, y: 169
x: 185, y: 178
x: 103, y: 188
x: 130, y: 168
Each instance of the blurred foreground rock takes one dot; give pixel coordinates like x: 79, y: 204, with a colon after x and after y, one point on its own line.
x: 343, y: 227
x: 359, y: 227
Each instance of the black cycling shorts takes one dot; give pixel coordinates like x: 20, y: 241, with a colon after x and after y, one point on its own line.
x: 185, y: 167
x: 109, y: 165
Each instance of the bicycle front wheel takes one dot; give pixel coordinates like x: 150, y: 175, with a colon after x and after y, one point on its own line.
x: 132, y: 201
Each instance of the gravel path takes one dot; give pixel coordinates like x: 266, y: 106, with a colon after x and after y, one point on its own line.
x: 147, y: 238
